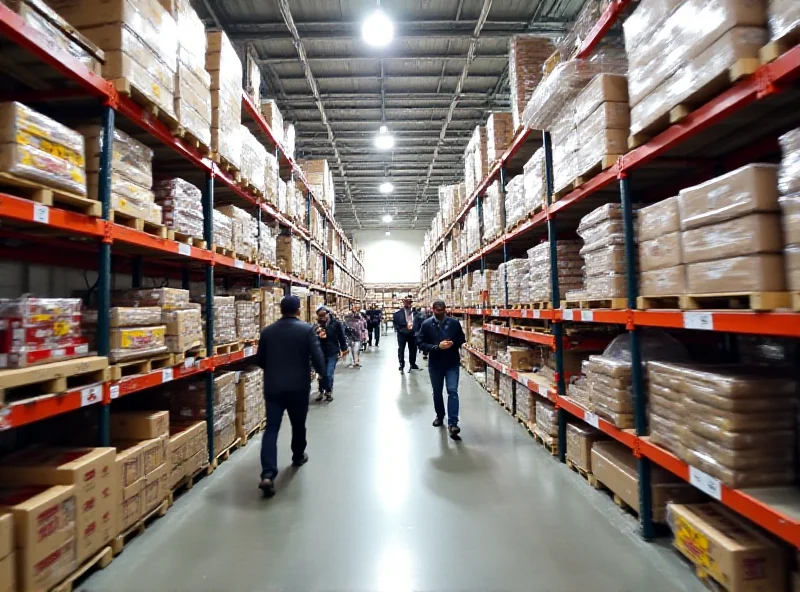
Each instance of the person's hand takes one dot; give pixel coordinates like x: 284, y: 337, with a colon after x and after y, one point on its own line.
x: 410, y: 326
x: 446, y: 344
x: 344, y: 353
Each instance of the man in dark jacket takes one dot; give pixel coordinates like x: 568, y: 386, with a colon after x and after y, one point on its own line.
x: 441, y: 336
x: 403, y: 321
x: 284, y: 351
x: 334, y: 346
x: 420, y: 314
x: 374, y: 318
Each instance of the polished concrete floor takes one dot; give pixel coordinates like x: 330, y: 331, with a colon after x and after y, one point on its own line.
x: 388, y: 503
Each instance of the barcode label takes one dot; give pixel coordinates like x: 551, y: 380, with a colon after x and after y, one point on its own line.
x: 188, y: 362
x: 591, y: 419
x: 495, y: 312
x: 238, y: 264
x: 185, y: 250
x: 566, y: 314
x: 166, y: 375
x: 705, y: 483
x: 114, y: 391
x: 41, y: 214
x: 587, y: 316
x: 703, y: 321
x: 536, y: 314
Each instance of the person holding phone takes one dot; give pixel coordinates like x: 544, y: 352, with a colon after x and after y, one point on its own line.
x: 441, y: 337
x: 334, y: 346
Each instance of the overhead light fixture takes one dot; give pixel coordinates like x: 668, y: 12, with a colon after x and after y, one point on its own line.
x: 388, y: 233
x: 384, y: 140
x: 378, y: 29
x: 386, y: 187
x: 387, y: 219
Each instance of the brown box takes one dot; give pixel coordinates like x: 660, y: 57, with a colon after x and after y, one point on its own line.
x: 604, y: 88
x: 522, y: 358
x: 90, y: 470
x: 155, y: 488
x: 661, y: 252
x: 792, y: 256
x: 659, y: 219
x: 748, y: 235
x: 6, y: 534
x: 8, y: 573
x: 731, y: 550
x: 752, y: 188
x: 130, y: 505
x: 44, y: 533
x: 752, y: 273
x: 580, y: 439
x: 139, y: 425
x: 670, y: 281
x: 130, y: 464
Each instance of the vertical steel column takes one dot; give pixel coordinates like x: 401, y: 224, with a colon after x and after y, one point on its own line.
x: 505, y: 247
x: 558, y: 327
x: 138, y: 265
x: 308, y: 210
x: 639, y: 400
x: 208, y: 235
x: 104, y: 263
x: 258, y: 242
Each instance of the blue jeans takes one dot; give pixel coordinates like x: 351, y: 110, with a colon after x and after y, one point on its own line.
x: 296, y: 405
x: 330, y: 369
x: 439, y: 378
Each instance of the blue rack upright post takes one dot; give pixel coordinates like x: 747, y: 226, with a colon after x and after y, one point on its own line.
x: 104, y: 263
x: 208, y: 235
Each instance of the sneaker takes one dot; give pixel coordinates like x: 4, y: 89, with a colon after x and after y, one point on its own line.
x: 320, y: 397
x: 454, y: 431
x: 301, y: 462
x: 329, y: 397
x: 267, y: 487
x: 438, y: 422
x: 415, y: 367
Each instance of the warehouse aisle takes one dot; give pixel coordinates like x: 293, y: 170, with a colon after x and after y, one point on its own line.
x: 388, y: 503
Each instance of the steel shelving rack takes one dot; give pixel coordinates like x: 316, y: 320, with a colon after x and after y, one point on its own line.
x: 763, y: 97
x: 102, y: 237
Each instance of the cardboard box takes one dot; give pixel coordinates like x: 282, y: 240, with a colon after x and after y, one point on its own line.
x: 731, y: 550
x: 139, y: 425
x: 670, y: 281
x: 130, y: 505
x: 44, y: 533
x: 8, y: 573
x: 522, y: 358
x: 748, y: 235
x: 130, y: 464
x: 658, y: 253
x: 659, y: 219
x: 6, y: 534
x: 580, y: 439
x: 155, y: 488
x: 752, y: 273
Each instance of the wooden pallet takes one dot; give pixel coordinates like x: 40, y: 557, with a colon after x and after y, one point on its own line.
x: 546, y: 440
x: 118, y: 543
x: 33, y: 382
x: 738, y: 301
x: 99, y: 560
x: 226, y: 453
x: 775, y: 49
x: 191, y: 140
x: 598, y: 303
x: 49, y: 196
x: 223, y: 250
x: 227, y: 348
x: 186, y: 239
x: 143, y: 366
x: 582, y: 472
x: 187, y: 483
x: 604, y: 163
x: 125, y: 219
x: 227, y: 166
x: 248, y: 186
x: 251, y: 434
x: 743, y: 67
x: 127, y: 87
x: 662, y: 302
x: 796, y: 301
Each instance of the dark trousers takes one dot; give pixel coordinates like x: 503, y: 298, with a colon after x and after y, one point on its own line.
x: 295, y: 404
x: 376, y: 329
x: 441, y: 378
x: 404, y: 339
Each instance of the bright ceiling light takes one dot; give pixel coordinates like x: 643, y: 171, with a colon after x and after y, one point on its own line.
x: 378, y: 29
x: 384, y: 140
x: 388, y: 233
x: 387, y: 219
x: 386, y: 187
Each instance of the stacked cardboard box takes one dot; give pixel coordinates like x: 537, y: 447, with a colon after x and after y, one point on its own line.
x: 131, y: 174
x: 570, y: 269
x: 525, y: 405
x: 580, y: 439
x: 252, y: 77
x: 271, y: 176
x: 283, y: 198
x: 223, y: 230
x: 224, y: 319
x: 244, y: 231
x: 534, y: 181
x: 602, y: 118
x: 506, y: 391
x: 8, y: 559
x: 188, y: 450
x: 181, y: 206
x: 526, y: 55
x: 684, y: 54
x: 603, y: 253
x: 494, y: 220
x: 291, y: 254
x: 250, y: 410
x: 516, y: 206
x: 40, y: 149
x: 546, y: 417
x: 273, y: 117
x: 184, y: 328
x: 320, y: 179
x: 789, y: 186
x: 188, y: 404
x: 192, y: 82
x: 136, y: 332
x: 225, y: 69
x: 140, y: 41
x: 289, y: 139
x: 476, y: 163
x: 610, y: 392
x: 266, y: 245
x: 661, y: 268
x: 519, y: 358
x: 564, y: 134
x: 270, y: 306
x: 254, y: 157
x: 45, y: 533
x: 247, y: 316
x: 499, y: 132
x: 142, y: 462
x: 731, y: 240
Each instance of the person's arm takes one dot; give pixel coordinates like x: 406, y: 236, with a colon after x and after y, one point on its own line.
x: 398, y: 326
x: 459, y: 339
x: 317, y: 358
x: 343, y: 347
x: 423, y: 343
x: 261, y: 353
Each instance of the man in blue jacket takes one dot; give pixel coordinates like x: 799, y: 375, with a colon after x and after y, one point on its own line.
x: 441, y: 337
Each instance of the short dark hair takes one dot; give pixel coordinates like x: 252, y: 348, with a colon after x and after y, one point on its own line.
x: 290, y: 305
x: 438, y: 304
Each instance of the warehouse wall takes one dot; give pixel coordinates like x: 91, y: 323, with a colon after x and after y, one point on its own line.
x: 394, y: 258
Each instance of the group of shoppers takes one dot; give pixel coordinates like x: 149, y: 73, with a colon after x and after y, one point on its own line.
x: 286, y: 346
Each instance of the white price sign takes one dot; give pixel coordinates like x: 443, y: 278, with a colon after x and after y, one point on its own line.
x: 184, y: 249
x: 114, y: 391
x: 705, y: 483
x: 536, y: 314
x: 587, y: 316
x: 41, y: 214
x: 591, y: 419
x: 566, y: 314
x: 698, y: 320
x: 188, y: 362
x: 479, y: 311
x: 166, y: 375
x: 238, y: 264
x: 249, y: 351
x: 91, y: 395
x: 495, y: 312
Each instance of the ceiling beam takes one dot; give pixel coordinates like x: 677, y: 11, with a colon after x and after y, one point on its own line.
x: 548, y: 30
x: 335, y: 59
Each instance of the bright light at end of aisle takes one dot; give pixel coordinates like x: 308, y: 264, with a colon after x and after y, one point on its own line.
x: 388, y: 233
x: 387, y: 218
x: 386, y: 187
x: 384, y: 140
x: 378, y: 29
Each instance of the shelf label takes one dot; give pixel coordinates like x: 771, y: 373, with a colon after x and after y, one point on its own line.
x: 587, y: 316
x: 184, y: 249
x: 536, y: 314
x: 41, y: 214
x: 698, y: 320
x: 91, y: 395
x: 166, y: 375
x: 188, y: 363
x: 566, y: 314
x: 495, y: 312
x: 114, y: 391
x: 249, y: 351
x: 238, y: 264
x: 705, y: 483
x: 591, y: 419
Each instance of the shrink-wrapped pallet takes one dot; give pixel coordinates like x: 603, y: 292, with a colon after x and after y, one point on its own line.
x: 254, y: 156
x: 526, y: 55
x: 570, y: 269
x: 499, y: 132
x: 784, y: 18
x: 181, y: 206
x: 244, y: 231
x: 273, y: 117
x: 225, y: 68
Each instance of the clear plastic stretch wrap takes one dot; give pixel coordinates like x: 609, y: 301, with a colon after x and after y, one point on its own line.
x: 693, y: 80
x: 570, y: 269
x: 494, y: 222
x: 225, y: 68
x: 283, y: 206
x: 748, y: 235
x: 784, y: 17
x: 525, y: 405
x: 495, y: 286
x: 38, y: 148
x: 472, y: 230
x: 499, y: 132
x: 289, y: 139
x: 184, y: 328
x: 249, y: 400
x: 506, y: 391
x: 603, y: 253
x: 291, y: 254
x: 166, y: 298
x: 181, y: 206
x: 751, y: 273
x: 546, y: 417
x: 518, y: 279
x: 526, y: 55
x: 247, y: 313
x: 273, y: 117
x: 128, y: 343
x: 224, y: 319
x: 127, y: 316
x: 611, y: 89
x: 254, y: 156
x: 534, y: 181
x: 39, y: 330
x: 516, y: 206
x: 789, y: 175
x: 658, y: 219
x: 271, y: 176
x: 244, y: 231
x: 266, y: 245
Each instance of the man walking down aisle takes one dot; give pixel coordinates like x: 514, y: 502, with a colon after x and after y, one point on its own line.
x: 374, y: 319
x: 403, y: 321
x: 441, y: 336
x: 284, y: 351
x: 334, y: 345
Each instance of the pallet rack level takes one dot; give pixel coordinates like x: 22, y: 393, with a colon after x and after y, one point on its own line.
x: 110, y: 236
